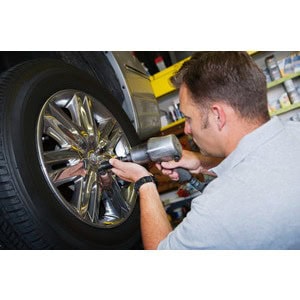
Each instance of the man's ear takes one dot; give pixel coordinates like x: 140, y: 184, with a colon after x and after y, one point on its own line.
x: 219, y: 115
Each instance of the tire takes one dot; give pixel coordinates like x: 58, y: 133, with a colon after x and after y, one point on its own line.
x: 57, y: 125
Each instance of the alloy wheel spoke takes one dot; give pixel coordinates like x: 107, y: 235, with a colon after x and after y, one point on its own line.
x: 60, y: 156
x: 115, y: 205
x: 118, y: 197
x: 94, y: 204
x: 106, y: 128
x: 87, y: 118
x: 75, y: 108
x: 66, y: 174
x: 88, y: 192
x: 111, y: 211
x: 114, y: 139
x: 81, y: 112
x: 64, y: 119
x: 60, y: 133
x: 78, y: 193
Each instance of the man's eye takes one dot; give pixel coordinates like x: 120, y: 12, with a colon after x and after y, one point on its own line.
x: 188, y: 120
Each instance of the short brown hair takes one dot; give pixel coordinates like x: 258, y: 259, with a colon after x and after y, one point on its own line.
x: 228, y: 76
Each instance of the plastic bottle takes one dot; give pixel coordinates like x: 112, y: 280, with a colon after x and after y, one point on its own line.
x: 172, y: 112
x: 177, y: 110
x: 159, y: 61
x: 146, y: 69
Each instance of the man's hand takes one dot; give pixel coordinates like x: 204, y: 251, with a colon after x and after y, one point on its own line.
x: 194, y: 162
x: 128, y: 171
x: 155, y: 225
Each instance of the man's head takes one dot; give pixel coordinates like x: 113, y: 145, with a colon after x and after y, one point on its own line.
x: 218, y: 92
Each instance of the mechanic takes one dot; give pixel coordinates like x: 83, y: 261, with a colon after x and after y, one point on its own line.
x: 254, y: 202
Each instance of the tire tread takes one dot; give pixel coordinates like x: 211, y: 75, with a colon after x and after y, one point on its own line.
x: 17, y: 230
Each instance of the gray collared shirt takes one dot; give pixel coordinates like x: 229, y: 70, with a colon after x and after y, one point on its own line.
x: 254, y: 203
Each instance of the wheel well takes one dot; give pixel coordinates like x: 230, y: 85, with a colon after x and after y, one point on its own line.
x: 92, y: 62
x: 9, y: 59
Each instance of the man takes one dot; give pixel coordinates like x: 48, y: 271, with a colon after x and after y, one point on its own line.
x: 254, y: 202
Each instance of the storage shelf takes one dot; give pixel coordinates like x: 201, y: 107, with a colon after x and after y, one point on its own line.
x: 285, y: 109
x: 282, y: 80
x: 160, y: 82
x: 275, y: 113
x: 171, y: 198
x: 180, y: 121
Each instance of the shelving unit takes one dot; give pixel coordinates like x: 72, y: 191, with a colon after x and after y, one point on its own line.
x: 275, y: 113
x: 161, y: 81
x: 278, y: 82
x: 284, y: 110
x: 180, y: 121
x: 282, y: 80
x: 162, y: 86
x: 165, y: 89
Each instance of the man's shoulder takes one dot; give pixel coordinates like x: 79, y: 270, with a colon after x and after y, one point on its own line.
x: 293, y: 126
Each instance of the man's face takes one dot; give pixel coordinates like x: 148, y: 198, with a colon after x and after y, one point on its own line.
x: 199, y: 124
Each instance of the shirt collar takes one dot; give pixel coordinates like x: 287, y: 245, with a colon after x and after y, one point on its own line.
x: 249, y: 143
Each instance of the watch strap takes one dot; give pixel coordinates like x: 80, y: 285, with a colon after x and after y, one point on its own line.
x: 143, y: 180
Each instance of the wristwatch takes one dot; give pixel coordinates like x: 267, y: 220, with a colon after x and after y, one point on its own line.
x: 143, y: 180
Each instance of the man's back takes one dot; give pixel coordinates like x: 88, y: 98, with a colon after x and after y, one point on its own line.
x: 255, y: 201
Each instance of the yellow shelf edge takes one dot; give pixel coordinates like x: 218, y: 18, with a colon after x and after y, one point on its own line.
x: 285, y: 109
x: 281, y: 80
x: 178, y: 64
x: 180, y: 121
x: 252, y: 52
x: 174, y: 67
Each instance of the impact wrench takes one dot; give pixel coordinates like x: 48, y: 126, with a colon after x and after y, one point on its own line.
x: 158, y: 149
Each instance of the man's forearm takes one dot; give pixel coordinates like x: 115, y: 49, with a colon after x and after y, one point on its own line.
x: 155, y: 225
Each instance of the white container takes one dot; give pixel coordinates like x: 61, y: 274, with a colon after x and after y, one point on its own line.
x: 289, y: 85
x: 284, y: 100
x: 159, y: 61
x: 273, y: 105
x: 294, y: 97
x: 163, y: 121
x: 296, y: 63
x: 172, y: 112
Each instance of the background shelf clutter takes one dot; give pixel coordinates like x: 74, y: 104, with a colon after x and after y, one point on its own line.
x: 282, y: 71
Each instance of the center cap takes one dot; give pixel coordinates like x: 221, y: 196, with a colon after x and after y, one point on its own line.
x: 94, y: 160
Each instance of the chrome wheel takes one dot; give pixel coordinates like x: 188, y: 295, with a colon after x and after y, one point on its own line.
x: 75, y: 133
